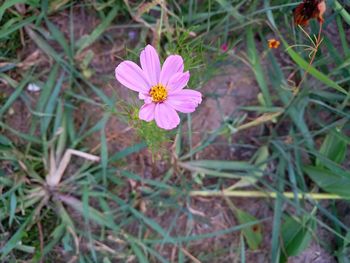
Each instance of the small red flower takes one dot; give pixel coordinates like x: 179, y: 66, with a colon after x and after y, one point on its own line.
x: 224, y: 47
x: 309, y: 9
x: 273, y: 43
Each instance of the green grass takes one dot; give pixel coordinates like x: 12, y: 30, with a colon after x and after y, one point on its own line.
x: 70, y: 186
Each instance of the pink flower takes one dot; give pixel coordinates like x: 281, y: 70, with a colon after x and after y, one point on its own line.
x: 162, y: 89
x: 224, y: 47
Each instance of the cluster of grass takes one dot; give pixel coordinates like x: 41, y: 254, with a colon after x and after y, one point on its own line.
x: 60, y: 198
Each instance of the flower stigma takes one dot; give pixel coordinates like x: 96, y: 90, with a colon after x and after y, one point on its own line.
x: 158, y: 93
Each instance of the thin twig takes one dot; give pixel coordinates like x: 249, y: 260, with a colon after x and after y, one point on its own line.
x: 296, y: 89
x: 317, y: 45
x: 41, y: 239
x: 188, y: 254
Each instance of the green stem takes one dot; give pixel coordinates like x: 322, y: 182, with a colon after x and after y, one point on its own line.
x: 259, y: 194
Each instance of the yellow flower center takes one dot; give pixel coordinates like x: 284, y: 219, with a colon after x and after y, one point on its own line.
x: 158, y: 93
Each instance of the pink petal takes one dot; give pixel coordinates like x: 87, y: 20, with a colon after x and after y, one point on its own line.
x: 184, y: 101
x: 142, y: 96
x: 184, y: 107
x: 150, y: 64
x: 172, y: 65
x: 131, y: 76
x: 166, y: 117
x: 147, y: 112
x: 145, y: 97
x: 178, y: 81
x: 187, y: 95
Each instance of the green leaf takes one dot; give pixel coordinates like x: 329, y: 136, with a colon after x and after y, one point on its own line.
x: 333, y: 148
x: 106, y: 260
x: 55, y: 237
x: 210, y: 172
x: 14, y: 96
x: 19, y: 134
x: 343, y: 251
x: 312, y: 71
x: 86, y: 210
x: 56, y: 5
x: 59, y: 37
x: 127, y: 151
x: 242, y: 250
x: 47, y: 90
x: 7, y: 4
x: 51, y: 104
x: 252, y: 234
x: 260, y: 161
x: 329, y: 181
x: 218, y: 168
x: 43, y: 45
x: 254, y: 60
x: 295, y: 112
x: 222, y: 165
x: 104, y: 149
x: 4, y: 31
x: 278, y: 211
x: 13, y: 205
x: 296, y: 236
x: 269, y: 13
x: 339, y: 8
x: 13, y: 242
x: 85, y: 41
x: 231, y: 9
x: 139, y: 253
x: 5, y: 141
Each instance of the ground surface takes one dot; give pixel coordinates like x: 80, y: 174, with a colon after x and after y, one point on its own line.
x: 232, y: 86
